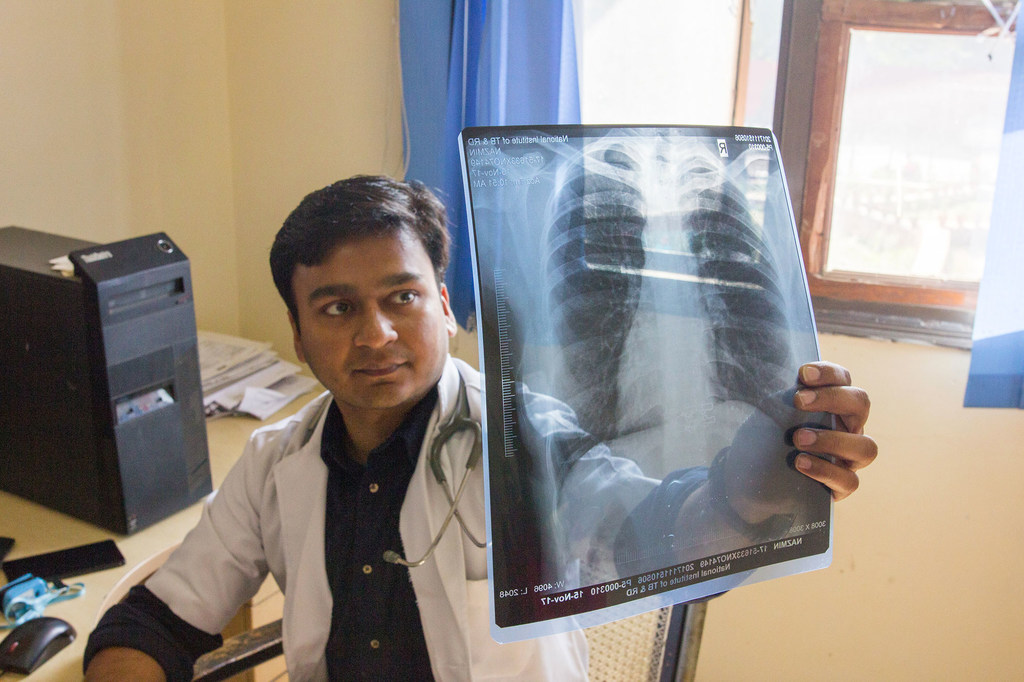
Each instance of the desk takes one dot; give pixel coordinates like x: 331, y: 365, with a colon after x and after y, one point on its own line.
x: 37, y: 529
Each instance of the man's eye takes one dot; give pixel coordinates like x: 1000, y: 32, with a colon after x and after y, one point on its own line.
x: 337, y: 308
x: 405, y: 296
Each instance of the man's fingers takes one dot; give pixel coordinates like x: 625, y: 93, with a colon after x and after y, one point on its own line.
x: 827, y: 387
x: 851, y: 404
x: 824, y: 374
x: 840, y: 480
x: 855, y: 450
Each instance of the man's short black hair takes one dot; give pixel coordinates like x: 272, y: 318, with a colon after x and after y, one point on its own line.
x: 361, y: 206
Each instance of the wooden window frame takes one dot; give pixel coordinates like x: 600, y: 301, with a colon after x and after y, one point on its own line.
x: 864, y: 304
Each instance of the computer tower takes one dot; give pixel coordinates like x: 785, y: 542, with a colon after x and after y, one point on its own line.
x: 101, y: 413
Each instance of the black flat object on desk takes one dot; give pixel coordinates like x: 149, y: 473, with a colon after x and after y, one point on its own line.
x: 66, y: 563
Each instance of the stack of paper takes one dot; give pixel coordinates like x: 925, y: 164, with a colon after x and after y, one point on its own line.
x: 243, y: 377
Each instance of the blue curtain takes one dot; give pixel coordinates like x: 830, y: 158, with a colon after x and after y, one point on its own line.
x: 997, y: 358
x: 476, y: 63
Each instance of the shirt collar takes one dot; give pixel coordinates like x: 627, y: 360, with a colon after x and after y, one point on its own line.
x: 408, y: 436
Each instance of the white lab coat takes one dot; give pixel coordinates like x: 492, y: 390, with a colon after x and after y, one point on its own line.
x: 269, y: 516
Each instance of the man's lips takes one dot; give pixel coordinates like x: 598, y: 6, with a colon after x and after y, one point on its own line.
x: 379, y: 369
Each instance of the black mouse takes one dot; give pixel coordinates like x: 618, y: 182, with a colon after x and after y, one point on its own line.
x: 33, y: 643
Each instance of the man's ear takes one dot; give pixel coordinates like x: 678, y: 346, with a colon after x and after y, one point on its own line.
x: 449, y: 317
x: 296, y: 338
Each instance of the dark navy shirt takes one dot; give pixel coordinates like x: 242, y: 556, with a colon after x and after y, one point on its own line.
x: 376, y: 632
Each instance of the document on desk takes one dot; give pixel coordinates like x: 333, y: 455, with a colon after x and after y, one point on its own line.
x: 244, y: 377
x: 643, y: 312
x: 223, y: 359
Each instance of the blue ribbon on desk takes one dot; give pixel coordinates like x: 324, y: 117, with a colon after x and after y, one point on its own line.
x: 25, y: 598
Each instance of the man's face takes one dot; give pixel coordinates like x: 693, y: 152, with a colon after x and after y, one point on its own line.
x: 373, y: 325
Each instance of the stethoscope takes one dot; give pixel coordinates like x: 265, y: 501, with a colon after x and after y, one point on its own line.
x: 458, y: 422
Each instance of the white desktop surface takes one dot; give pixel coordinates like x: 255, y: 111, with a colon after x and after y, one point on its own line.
x: 37, y: 529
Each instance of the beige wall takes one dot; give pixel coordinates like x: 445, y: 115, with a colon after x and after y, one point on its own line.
x: 211, y: 120
x: 205, y: 120
x: 177, y: 145
x: 62, y: 119
x: 315, y: 97
x: 925, y: 581
x: 113, y: 124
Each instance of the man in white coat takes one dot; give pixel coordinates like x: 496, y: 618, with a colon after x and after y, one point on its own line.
x: 320, y: 498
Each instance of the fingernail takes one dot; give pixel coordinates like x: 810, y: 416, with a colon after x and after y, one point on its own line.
x: 803, y: 462
x: 806, y: 397
x: 811, y: 373
x: 805, y: 437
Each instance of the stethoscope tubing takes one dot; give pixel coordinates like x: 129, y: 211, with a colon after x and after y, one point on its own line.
x: 459, y: 421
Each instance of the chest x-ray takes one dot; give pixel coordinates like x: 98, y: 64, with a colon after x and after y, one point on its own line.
x: 643, y: 312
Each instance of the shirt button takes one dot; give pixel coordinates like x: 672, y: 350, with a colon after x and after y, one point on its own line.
x: 374, y: 487
x: 374, y: 644
x: 367, y: 569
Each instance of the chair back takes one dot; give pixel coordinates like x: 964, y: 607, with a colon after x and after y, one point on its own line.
x: 135, y: 576
x: 657, y: 646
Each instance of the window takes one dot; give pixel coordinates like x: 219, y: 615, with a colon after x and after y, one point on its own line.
x: 658, y: 61
x: 901, y: 150
x: 889, y: 115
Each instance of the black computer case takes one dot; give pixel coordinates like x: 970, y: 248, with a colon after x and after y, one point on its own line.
x: 101, y: 413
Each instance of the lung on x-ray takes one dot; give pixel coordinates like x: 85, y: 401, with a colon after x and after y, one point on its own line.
x: 643, y: 312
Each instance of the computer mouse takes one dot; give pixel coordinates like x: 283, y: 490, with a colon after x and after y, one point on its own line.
x: 33, y: 643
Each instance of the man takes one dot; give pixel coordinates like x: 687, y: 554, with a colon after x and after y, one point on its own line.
x: 318, y: 499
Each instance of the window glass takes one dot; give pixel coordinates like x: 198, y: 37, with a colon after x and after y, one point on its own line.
x: 762, y: 74
x: 657, y: 61
x: 918, y: 152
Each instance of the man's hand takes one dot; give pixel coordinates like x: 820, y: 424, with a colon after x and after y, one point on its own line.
x: 826, y: 387
x: 119, y: 663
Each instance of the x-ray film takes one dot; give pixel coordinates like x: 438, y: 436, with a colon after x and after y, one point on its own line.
x: 643, y: 312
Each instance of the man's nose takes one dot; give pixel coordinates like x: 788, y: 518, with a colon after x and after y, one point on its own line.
x: 375, y: 330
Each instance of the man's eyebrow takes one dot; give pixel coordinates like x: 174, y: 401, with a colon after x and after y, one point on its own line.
x: 331, y: 290
x: 400, y: 278
x: 346, y: 290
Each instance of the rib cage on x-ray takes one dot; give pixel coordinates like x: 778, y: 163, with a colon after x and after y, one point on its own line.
x: 608, y: 201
